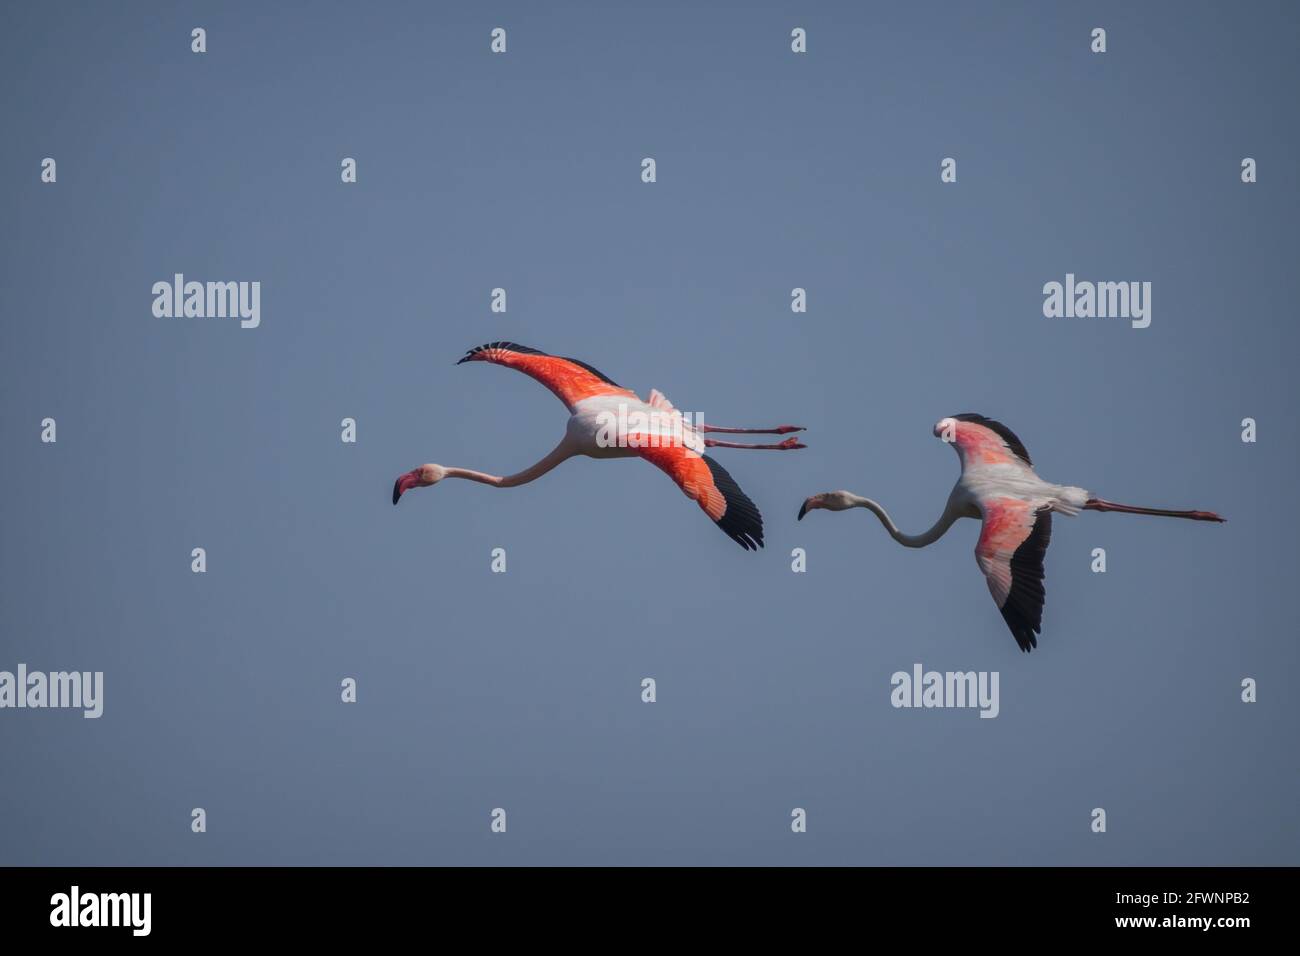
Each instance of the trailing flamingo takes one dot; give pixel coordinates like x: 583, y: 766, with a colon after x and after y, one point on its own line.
x: 607, y: 421
x: 998, y: 485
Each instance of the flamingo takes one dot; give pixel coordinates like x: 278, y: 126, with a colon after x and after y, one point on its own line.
x: 998, y: 485
x: 653, y: 430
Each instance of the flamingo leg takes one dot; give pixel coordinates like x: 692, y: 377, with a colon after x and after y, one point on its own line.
x: 778, y: 430
x: 1100, y: 504
x: 788, y: 445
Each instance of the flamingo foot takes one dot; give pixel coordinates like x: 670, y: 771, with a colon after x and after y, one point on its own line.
x: 790, y: 444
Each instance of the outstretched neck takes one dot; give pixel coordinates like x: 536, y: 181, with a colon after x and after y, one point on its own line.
x: 950, y: 514
x: 560, y: 453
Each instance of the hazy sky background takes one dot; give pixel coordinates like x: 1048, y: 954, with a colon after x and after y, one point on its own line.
x: 522, y: 690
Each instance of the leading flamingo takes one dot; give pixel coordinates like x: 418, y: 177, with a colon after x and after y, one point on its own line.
x: 653, y: 430
x: 998, y: 484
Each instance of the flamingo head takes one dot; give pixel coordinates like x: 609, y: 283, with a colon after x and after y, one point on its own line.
x: 946, y: 428
x: 830, y: 501
x: 421, y: 477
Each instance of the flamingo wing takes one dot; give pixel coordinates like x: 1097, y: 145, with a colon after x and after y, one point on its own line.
x: 983, y: 441
x: 569, y: 379
x: 707, y: 483
x: 1010, y: 552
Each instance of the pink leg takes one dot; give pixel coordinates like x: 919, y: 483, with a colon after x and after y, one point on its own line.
x: 779, y: 430
x: 1101, y: 504
x: 788, y: 445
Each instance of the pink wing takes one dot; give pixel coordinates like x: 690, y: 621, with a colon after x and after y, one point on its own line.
x: 569, y: 379
x: 1010, y: 552
x: 984, y: 441
x: 708, y: 484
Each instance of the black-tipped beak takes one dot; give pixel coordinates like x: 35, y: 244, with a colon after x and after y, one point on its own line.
x: 402, y: 484
x: 803, y: 510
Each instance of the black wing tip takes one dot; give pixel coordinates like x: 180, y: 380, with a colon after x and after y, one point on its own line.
x: 741, y: 522
x: 1002, y: 431
x: 502, y: 346
x: 529, y: 350
x: 1023, y: 610
x: 1022, y: 631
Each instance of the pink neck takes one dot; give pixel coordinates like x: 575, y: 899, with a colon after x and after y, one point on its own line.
x: 559, y: 454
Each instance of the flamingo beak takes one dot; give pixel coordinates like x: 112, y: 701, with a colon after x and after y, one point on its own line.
x: 404, y: 484
x: 804, y: 509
